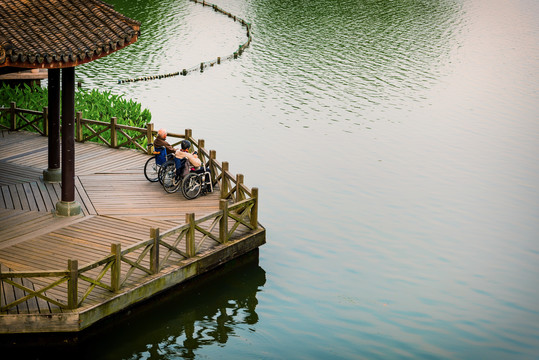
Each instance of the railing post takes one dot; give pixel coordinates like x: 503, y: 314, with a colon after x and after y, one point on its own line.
x: 254, y: 209
x: 188, y: 134
x: 113, y: 134
x: 201, y: 144
x: 115, y: 271
x: 224, y: 182
x: 78, y: 120
x: 213, y: 156
x: 45, y: 121
x: 149, y: 137
x: 223, y: 223
x: 13, y: 118
x: 154, y: 252
x: 72, y: 284
x: 190, y: 236
x: 239, y: 182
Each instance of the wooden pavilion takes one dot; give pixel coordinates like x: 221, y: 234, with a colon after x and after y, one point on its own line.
x: 58, y: 35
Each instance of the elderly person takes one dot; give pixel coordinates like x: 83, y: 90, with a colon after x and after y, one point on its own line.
x: 160, y: 141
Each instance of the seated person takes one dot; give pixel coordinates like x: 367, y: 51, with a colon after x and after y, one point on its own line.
x: 160, y: 141
x: 185, y: 160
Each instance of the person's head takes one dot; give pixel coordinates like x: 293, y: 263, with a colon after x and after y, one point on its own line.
x: 162, y: 133
x: 185, y: 144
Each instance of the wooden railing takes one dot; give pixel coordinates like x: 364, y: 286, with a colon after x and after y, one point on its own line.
x: 238, y: 208
x: 117, y: 135
x: 16, y: 119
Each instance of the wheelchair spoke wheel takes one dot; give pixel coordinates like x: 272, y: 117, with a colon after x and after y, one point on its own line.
x: 151, y: 170
x: 164, y: 168
x: 171, y: 182
x: 191, y: 186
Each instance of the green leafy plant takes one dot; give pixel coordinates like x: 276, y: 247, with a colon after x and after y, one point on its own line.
x: 93, y: 104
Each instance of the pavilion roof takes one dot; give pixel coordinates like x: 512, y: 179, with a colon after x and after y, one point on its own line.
x: 61, y: 33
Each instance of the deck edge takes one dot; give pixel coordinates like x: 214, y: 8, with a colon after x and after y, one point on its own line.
x: 82, y: 318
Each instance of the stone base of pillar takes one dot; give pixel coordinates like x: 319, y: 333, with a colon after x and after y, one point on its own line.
x: 68, y: 208
x: 52, y: 175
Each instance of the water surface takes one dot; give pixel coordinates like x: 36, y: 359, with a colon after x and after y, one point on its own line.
x: 395, y: 147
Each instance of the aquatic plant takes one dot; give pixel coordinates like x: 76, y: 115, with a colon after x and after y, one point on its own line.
x: 93, y: 104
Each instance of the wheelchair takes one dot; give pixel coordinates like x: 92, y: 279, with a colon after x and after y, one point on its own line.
x: 195, y: 183
x: 153, y: 169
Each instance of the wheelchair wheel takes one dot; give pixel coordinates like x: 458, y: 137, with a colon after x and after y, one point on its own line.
x: 151, y: 170
x: 191, y: 186
x: 163, y: 169
x: 171, y: 182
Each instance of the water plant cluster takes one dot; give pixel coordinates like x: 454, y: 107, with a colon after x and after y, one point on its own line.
x: 94, y: 105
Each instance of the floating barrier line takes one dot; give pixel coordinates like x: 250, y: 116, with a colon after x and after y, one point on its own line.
x: 205, y: 64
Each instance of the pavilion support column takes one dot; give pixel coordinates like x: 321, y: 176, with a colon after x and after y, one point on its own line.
x: 67, y: 206
x: 54, y: 173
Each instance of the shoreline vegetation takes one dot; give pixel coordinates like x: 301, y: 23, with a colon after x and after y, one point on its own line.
x: 93, y: 104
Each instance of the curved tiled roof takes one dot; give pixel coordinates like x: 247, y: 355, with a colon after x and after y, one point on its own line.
x: 61, y: 33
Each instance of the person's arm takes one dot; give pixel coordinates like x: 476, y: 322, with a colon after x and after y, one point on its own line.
x: 193, y: 159
x: 170, y: 149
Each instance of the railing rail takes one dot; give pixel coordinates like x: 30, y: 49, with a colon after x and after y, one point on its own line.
x: 238, y: 208
x: 180, y: 241
x: 16, y: 119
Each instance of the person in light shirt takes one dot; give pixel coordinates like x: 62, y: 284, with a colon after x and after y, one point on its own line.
x: 182, y: 155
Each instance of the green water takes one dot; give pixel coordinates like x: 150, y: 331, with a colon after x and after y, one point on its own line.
x: 395, y: 147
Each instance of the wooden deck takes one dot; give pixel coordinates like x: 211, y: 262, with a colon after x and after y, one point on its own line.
x: 118, y: 206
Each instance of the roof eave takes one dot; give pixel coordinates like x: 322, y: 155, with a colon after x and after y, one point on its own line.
x: 65, y: 61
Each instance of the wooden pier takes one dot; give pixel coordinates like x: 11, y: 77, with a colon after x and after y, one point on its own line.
x: 132, y: 240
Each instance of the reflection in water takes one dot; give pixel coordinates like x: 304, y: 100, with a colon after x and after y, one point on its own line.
x: 207, y: 310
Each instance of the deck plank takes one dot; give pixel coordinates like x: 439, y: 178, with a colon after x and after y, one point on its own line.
x: 32, y: 203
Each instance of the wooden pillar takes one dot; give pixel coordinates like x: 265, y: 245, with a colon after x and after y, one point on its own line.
x: 201, y: 145
x: 190, y: 236
x: 68, y: 206
x: 78, y: 121
x: 254, y: 209
x: 113, y: 134
x: 154, y: 252
x: 53, y: 172
x: 12, y: 116
x: 213, y: 168
x: 68, y: 134
x: 223, y: 223
x: 116, y: 268
x: 72, y: 284
x: 54, y: 118
x: 224, y: 181
x: 239, y: 182
x: 149, y: 137
x: 45, y: 121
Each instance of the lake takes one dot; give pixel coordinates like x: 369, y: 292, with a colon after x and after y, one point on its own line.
x: 395, y: 145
